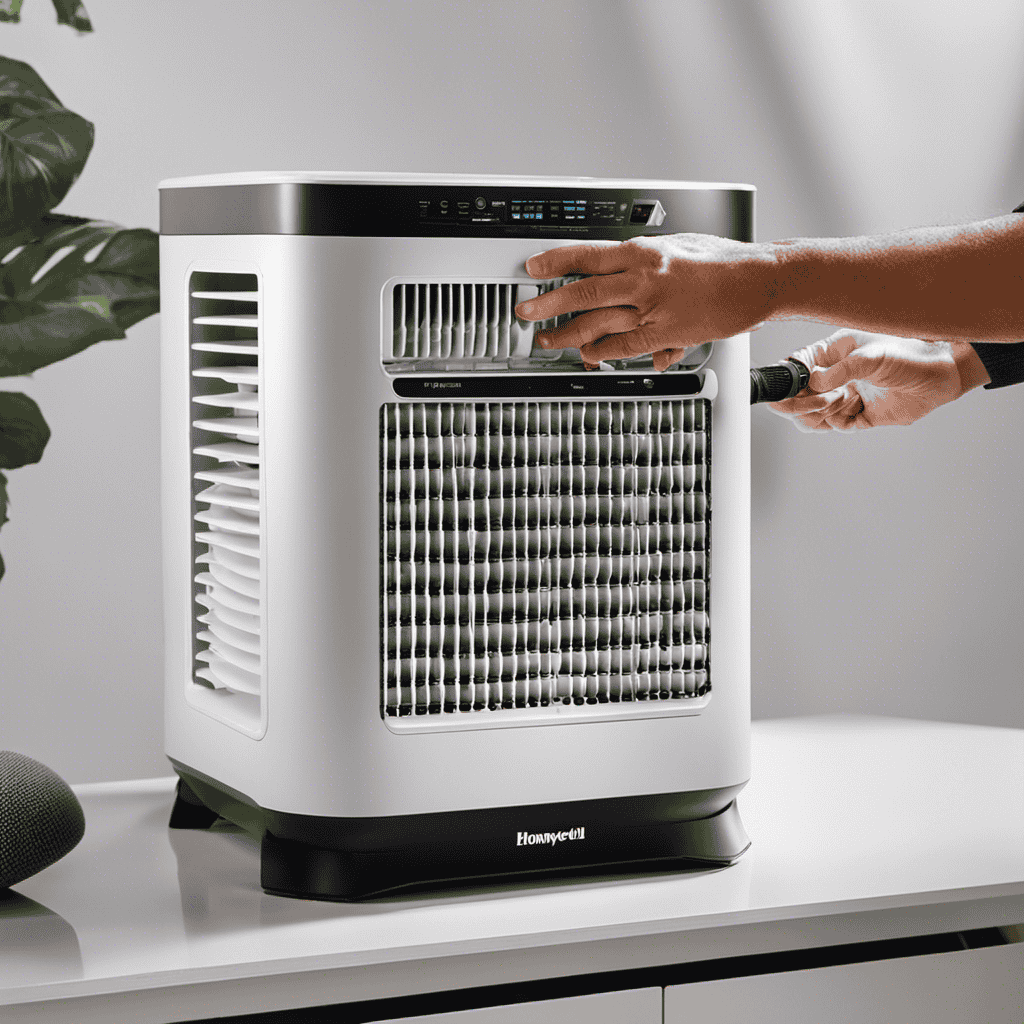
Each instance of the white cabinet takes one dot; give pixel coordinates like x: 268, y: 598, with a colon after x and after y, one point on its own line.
x: 970, y: 986
x: 636, y: 1006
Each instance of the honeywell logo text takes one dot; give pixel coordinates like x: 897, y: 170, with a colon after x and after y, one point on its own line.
x: 549, y: 838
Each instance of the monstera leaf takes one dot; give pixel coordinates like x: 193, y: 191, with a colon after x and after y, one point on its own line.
x: 65, y: 282
x: 73, y: 283
x: 43, y: 147
x: 23, y: 436
x: 69, y: 12
x: 23, y: 431
x: 64, y: 286
x: 3, y: 513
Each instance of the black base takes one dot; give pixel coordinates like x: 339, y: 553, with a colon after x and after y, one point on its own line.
x: 348, y: 859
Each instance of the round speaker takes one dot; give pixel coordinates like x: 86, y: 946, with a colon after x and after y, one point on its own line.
x: 40, y: 818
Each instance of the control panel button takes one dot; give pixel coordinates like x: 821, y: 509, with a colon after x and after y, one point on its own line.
x: 649, y: 212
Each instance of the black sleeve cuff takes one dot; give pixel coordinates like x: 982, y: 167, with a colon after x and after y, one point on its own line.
x: 1005, y: 363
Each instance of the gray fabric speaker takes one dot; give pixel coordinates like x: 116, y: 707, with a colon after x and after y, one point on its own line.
x: 40, y: 818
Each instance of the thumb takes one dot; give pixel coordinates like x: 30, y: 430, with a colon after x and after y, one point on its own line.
x: 827, y: 352
x: 828, y: 378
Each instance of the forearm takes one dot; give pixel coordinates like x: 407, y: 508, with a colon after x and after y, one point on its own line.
x: 934, y: 283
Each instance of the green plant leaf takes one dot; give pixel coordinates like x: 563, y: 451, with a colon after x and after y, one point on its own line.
x: 10, y: 11
x: 72, y: 12
x: 76, y: 302
x: 23, y: 431
x: 23, y: 437
x: 3, y: 513
x: 43, y: 147
x: 69, y: 12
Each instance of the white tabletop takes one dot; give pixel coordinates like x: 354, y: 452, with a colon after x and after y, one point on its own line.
x: 862, y: 828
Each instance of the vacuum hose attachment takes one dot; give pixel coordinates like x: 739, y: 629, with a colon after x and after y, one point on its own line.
x: 778, y: 381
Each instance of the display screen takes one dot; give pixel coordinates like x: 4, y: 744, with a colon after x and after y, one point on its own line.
x: 523, y: 209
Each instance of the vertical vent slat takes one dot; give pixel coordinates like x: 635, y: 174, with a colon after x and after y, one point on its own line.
x: 458, y: 321
x: 491, y: 320
x: 541, y: 553
x: 446, y: 320
x: 417, y: 325
x: 480, y: 320
x: 226, y: 493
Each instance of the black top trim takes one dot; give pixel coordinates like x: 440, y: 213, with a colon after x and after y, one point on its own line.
x: 453, y: 211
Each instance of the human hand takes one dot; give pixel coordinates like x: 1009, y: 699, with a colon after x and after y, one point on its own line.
x: 860, y: 380
x: 662, y: 295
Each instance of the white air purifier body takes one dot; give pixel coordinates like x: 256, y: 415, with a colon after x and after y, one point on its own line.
x: 439, y: 604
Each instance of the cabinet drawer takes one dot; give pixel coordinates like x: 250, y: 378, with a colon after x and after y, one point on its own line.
x: 636, y: 1006
x: 970, y: 986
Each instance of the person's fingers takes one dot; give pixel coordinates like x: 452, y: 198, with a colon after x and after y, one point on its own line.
x: 807, y: 402
x: 588, y: 327
x: 805, y: 423
x: 836, y: 410
x: 637, y: 342
x: 829, y: 378
x: 835, y: 348
x: 842, y: 412
x: 666, y: 357
x: 812, y: 423
x: 593, y: 258
x: 591, y: 293
x: 845, y: 411
x: 828, y: 351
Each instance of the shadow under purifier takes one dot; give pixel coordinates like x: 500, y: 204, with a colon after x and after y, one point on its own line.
x: 441, y: 606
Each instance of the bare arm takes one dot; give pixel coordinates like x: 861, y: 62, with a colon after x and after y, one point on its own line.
x: 666, y: 293
x: 964, y: 281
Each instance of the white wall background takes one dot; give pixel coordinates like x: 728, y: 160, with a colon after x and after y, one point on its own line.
x: 888, y: 565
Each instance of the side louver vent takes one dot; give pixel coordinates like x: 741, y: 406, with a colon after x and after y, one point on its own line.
x: 226, y: 432
x: 544, y: 555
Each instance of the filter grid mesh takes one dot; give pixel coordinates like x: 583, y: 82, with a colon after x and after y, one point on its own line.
x: 543, y: 552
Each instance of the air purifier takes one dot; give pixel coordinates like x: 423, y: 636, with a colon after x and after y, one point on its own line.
x: 441, y: 606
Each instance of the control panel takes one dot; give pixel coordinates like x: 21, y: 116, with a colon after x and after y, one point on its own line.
x: 526, y: 209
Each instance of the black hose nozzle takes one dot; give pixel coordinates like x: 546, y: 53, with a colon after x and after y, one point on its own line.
x: 777, y: 382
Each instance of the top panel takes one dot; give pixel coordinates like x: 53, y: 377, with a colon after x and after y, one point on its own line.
x: 452, y: 206
x: 437, y: 178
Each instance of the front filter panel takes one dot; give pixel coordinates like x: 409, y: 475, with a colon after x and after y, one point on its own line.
x: 537, y: 554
